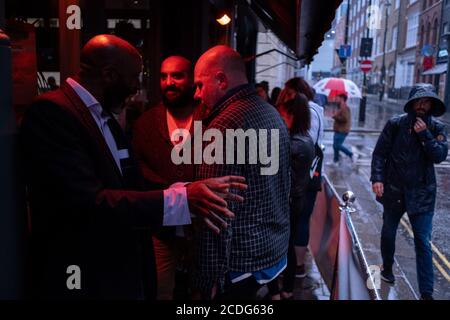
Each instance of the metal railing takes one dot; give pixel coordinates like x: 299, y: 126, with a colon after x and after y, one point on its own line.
x: 337, y: 249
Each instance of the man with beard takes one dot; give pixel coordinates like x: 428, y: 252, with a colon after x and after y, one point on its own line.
x: 91, y: 211
x: 403, y: 179
x: 153, y: 145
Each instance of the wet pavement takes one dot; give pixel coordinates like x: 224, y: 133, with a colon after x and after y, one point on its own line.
x: 368, y: 218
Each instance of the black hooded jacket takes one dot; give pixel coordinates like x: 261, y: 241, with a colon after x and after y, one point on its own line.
x: 404, y: 161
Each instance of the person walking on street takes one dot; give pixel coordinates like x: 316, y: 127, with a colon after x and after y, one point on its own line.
x: 341, y: 128
x: 403, y: 179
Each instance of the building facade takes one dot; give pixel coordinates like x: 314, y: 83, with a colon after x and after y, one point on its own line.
x: 357, y: 29
x: 273, y: 67
x: 407, y: 47
x: 443, y: 54
x: 339, y: 36
x: 386, y: 39
x: 407, y: 43
x: 428, y: 40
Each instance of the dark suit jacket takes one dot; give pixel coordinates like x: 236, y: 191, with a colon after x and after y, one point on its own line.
x: 82, y: 212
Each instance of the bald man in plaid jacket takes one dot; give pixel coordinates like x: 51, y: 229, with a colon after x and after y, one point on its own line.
x: 252, y: 250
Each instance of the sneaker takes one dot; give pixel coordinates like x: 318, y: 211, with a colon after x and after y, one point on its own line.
x: 387, y: 276
x: 300, y: 272
x: 332, y: 164
x: 426, y: 297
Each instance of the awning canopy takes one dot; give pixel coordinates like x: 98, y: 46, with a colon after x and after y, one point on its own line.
x: 437, y: 69
x: 282, y: 17
x: 300, y: 24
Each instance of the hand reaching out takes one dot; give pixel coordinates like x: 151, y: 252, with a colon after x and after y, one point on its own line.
x: 208, y: 198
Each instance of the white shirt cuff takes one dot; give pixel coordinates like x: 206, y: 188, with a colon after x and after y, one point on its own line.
x: 176, y: 208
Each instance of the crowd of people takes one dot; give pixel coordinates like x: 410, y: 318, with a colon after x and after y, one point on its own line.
x: 139, y: 226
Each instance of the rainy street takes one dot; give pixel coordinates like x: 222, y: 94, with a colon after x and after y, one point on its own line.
x: 368, y: 218
x: 158, y: 150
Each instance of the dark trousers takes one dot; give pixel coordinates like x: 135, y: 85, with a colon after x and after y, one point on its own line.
x: 241, y: 290
x: 297, y: 204
x: 301, y: 238
x: 421, y: 225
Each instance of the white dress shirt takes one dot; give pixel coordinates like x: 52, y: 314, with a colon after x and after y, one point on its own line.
x: 172, y: 126
x: 176, y: 209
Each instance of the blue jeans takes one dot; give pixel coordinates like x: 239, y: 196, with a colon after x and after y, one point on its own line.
x: 421, y: 224
x: 338, y: 145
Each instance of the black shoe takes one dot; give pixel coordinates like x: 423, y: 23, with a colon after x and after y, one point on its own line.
x: 426, y: 297
x: 387, y: 276
x: 300, y: 272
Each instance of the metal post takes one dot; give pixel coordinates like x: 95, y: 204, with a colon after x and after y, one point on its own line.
x: 399, y: 29
x: 347, y: 20
x: 363, y: 102
x: 383, y: 67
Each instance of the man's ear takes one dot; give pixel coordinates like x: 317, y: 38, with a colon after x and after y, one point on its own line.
x: 222, y: 80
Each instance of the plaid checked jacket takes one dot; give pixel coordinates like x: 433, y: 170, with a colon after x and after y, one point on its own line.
x: 258, y: 236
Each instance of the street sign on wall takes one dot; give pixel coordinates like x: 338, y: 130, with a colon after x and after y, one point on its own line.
x: 427, y: 50
x: 345, y: 51
x: 366, y: 66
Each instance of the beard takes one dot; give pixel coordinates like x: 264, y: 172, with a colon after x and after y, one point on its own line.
x: 421, y: 113
x: 184, y: 98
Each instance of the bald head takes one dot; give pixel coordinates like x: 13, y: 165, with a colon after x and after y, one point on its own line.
x: 107, y: 50
x: 223, y: 58
x: 110, y: 70
x: 218, y: 70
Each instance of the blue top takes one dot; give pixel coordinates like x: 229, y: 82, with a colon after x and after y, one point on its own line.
x: 263, y: 276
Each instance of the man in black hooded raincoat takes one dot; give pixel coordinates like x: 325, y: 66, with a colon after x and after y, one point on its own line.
x: 403, y: 178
